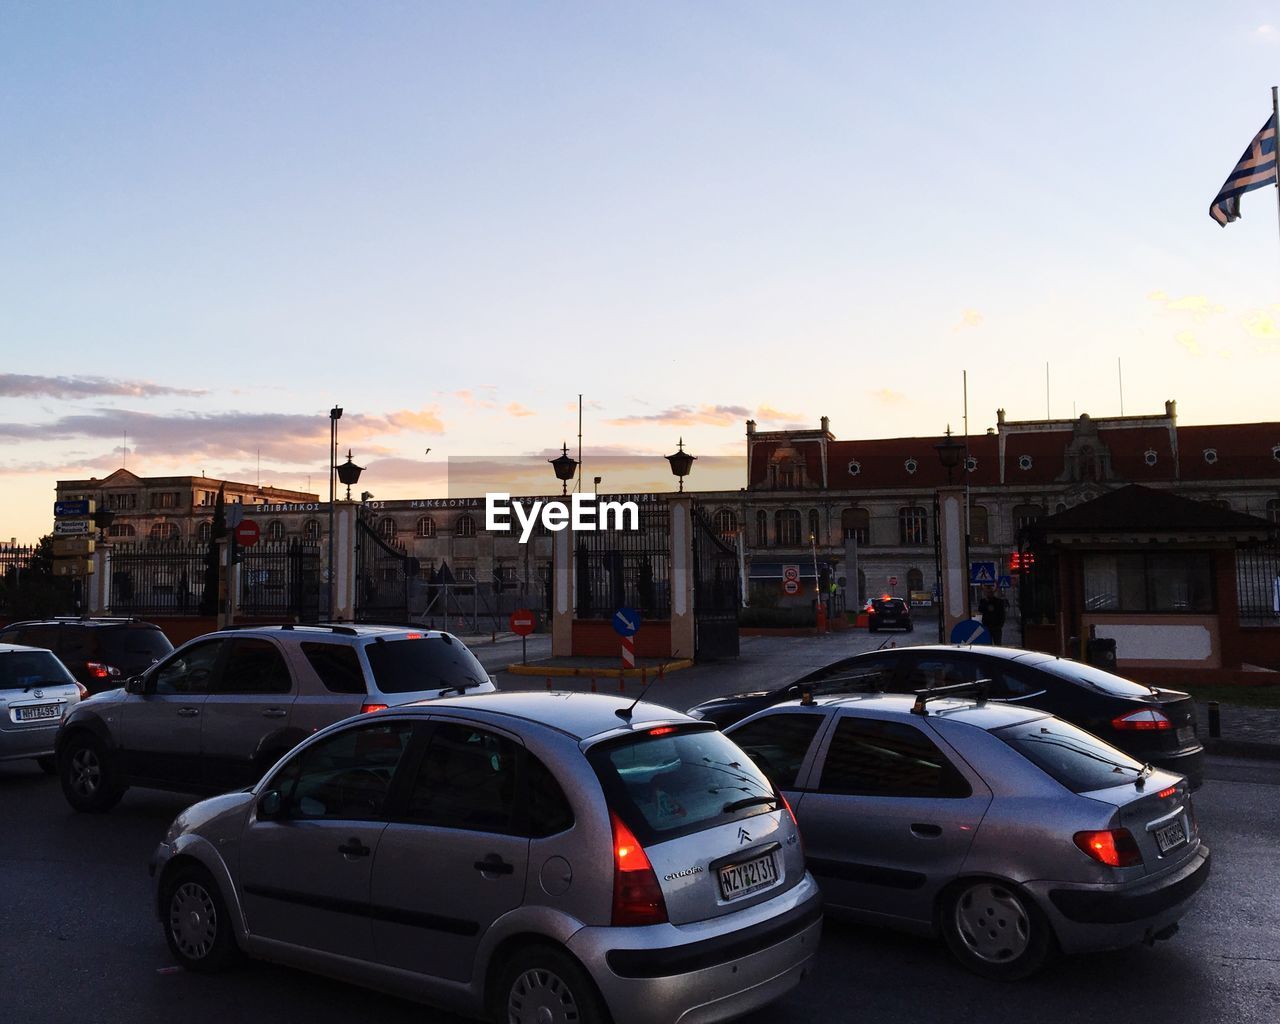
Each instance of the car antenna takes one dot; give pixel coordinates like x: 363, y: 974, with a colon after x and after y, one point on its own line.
x: 625, y: 713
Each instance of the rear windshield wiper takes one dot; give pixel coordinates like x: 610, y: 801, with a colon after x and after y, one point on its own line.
x: 462, y: 687
x: 748, y: 801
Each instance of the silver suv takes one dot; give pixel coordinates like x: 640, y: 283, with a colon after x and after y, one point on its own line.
x: 526, y: 856
x: 222, y: 708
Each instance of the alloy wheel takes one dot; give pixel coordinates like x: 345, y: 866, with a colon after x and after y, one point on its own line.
x: 86, y: 771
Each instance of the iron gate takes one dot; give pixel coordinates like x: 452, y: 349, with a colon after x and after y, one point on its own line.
x: 279, y: 580
x: 717, y: 591
x: 384, y: 572
x: 1258, y: 583
x: 626, y: 568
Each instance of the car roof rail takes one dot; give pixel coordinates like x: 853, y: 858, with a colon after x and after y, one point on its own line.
x: 291, y: 626
x: 977, y: 689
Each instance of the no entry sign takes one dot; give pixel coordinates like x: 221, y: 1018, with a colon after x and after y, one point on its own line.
x: 247, y: 533
x: 522, y: 622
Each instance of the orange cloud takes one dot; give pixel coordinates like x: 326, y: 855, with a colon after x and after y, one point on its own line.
x: 687, y: 416
x: 888, y: 396
x: 427, y: 421
x: 516, y: 409
x: 767, y: 414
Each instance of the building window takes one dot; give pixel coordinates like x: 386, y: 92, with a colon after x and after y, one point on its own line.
x: 971, y: 463
x: 122, y: 502
x: 1136, y: 581
x: 978, y: 532
x: 786, y: 527
x: 815, y: 526
x: 387, y: 528
x: 762, y: 529
x: 205, y: 533
x: 164, y: 531
x: 164, y: 499
x: 275, y: 530
x: 1273, y: 510
x: 1150, y: 457
x: 1211, y: 455
x: 726, y: 523
x: 311, y: 530
x: 1024, y: 462
x: 915, y: 580
x: 911, y: 465
x: 122, y: 530
x: 466, y: 527
x: 426, y: 527
x: 855, y: 467
x: 912, y: 525
x: 855, y: 525
x: 1025, y: 516
x: 1275, y: 453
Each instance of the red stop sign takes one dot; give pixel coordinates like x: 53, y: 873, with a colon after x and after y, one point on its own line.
x: 247, y: 533
x: 523, y: 621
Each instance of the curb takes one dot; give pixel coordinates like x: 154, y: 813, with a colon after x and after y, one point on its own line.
x: 1243, y: 748
x: 562, y: 671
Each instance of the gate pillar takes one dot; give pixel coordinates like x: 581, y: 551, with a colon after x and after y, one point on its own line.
x: 343, y: 571
x: 562, y: 596
x: 98, y: 588
x: 953, y: 571
x: 683, y: 625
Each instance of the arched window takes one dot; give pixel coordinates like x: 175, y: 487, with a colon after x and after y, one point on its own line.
x: 387, y: 528
x: 726, y: 522
x: 815, y: 527
x: 855, y: 525
x: 1273, y: 510
x: 915, y: 580
x: 786, y: 527
x: 311, y: 529
x: 275, y: 531
x: 426, y: 527
x: 978, y: 533
x: 913, y: 527
x: 1025, y: 516
x: 466, y: 527
x: 164, y: 531
x: 122, y: 530
x: 205, y: 532
x: 762, y: 529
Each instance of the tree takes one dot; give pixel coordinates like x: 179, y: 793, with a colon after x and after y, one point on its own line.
x: 209, y: 595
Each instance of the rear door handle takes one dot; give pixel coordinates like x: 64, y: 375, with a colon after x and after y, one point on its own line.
x: 494, y: 865
x: 354, y: 848
x: 188, y: 712
x: 274, y: 713
x: 925, y: 831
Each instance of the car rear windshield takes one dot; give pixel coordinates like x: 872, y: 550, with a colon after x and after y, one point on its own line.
x: 130, y: 647
x: 1075, y: 758
x: 423, y: 663
x: 1094, y: 678
x: 667, y: 782
x: 892, y: 605
x: 20, y: 669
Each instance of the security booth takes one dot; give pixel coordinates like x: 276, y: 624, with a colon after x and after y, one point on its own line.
x: 1146, y: 582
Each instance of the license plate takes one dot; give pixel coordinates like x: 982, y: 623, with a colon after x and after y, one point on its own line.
x: 36, y: 712
x: 1186, y: 733
x: 739, y: 879
x: 1171, y: 836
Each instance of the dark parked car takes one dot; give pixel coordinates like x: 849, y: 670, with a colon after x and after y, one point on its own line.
x: 100, y: 653
x: 888, y: 613
x: 1150, y: 724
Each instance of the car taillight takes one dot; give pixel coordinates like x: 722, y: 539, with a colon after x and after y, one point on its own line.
x: 637, y: 897
x: 100, y: 671
x: 1145, y: 720
x: 369, y: 708
x: 82, y: 690
x: 1114, y: 847
x: 787, y: 804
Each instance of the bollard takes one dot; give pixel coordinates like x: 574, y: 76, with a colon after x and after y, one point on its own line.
x: 1215, y: 722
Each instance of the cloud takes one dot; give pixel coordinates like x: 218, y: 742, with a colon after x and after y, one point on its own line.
x: 687, y: 416
x: 471, y: 400
x: 888, y: 396
x: 1262, y: 324
x: 1267, y: 33
x: 21, y: 385
x: 1188, y: 341
x: 968, y: 318
x: 767, y: 415
x: 1197, y: 306
x: 516, y: 409
x: 588, y: 404
x: 427, y: 421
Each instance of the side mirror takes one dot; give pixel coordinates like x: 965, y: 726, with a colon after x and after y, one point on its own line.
x: 135, y: 684
x: 793, y: 690
x: 269, y: 805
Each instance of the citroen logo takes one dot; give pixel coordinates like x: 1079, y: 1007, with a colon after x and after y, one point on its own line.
x: 743, y: 836
x: 39, y: 694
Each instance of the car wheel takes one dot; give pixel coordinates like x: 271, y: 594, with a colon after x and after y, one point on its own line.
x: 995, y: 930
x: 90, y: 780
x: 196, y: 923
x: 543, y: 985
x: 48, y: 764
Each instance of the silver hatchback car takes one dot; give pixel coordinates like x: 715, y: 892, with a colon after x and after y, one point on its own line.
x: 534, y: 857
x: 1004, y: 828
x: 36, y: 692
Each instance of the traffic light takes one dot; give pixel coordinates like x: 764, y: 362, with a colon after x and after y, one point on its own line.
x: 237, y: 552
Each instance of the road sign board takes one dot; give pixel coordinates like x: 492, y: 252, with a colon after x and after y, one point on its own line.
x: 1005, y: 582
x: 523, y: 622
x: 73, y: 566
x: 791, y: 586
x: 73, y: 508
x: 71, y: 547
x: 893, y: 581
x: 791, y: 572
x: 970, y: 631
x: 626, y: 621
x: 72, y: 527
x: 247, y: 533
x: 982, y: 573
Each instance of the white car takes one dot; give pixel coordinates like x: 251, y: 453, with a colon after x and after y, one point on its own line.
x: 36, y: 692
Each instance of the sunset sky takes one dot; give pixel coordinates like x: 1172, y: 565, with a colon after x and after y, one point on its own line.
x: 451, y: 219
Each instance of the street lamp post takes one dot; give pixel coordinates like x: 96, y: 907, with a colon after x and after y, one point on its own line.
x: 949, y: 451
x: 349, y: 474
x: 565, y: 466
x: 681, y: 462
x: 335, y: 414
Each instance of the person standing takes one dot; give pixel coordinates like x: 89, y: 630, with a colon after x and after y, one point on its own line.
x: 992, y: 609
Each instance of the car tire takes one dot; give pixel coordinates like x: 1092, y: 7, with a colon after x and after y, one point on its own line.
x: 546, y: 985
x: 197, y: 926
x: 90, y: 777
x: 995, y: 930
x: 873, y: 628
x: 48, y: 764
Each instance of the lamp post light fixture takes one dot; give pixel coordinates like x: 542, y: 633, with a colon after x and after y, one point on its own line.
x: 349, y: 473
x: 681, y: 462
x: 565, y: 466
x: 949, y: 452
x: 102, y: 519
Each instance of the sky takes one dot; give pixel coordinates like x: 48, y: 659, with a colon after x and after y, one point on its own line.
x: 453, y: 219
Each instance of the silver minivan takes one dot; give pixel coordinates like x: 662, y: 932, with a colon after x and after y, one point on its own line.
x: 528, y: 856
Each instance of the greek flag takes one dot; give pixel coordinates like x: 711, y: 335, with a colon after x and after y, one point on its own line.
x: 1256, y: 168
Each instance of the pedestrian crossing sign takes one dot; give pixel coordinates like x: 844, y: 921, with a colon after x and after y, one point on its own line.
x: 982, y: 573
x: 1005, y: 582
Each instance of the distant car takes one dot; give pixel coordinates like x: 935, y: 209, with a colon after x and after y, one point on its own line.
x: 1005, y: 829
x: 100, y: 652
x: 36, y: 692
x: 1148, y: 723
x: 888, y: 613
x: 223, y: 708
x: 528, y: 857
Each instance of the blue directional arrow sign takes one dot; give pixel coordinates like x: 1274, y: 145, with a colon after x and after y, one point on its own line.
x: 1005, y: 582
x: 982, y: 573
x: 626, y: 621
x: 71, y: 508
x: 970, y: 631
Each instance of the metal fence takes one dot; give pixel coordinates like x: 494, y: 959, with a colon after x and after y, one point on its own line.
x: 15, y: 559
x: 624, y: 568
x: 281, y: 580
x: 1258, y: 584
x: 157, y: 578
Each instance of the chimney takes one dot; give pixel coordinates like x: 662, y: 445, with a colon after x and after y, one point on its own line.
x: 751, y: 427
x: 1171, y: 409
x: 1000, y: 417
x: 826, y: 424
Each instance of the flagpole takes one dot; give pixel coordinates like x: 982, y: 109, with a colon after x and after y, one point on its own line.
x: 1275, y: 113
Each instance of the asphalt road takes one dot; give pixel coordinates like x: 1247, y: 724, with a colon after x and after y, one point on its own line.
x: 80, y: 942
